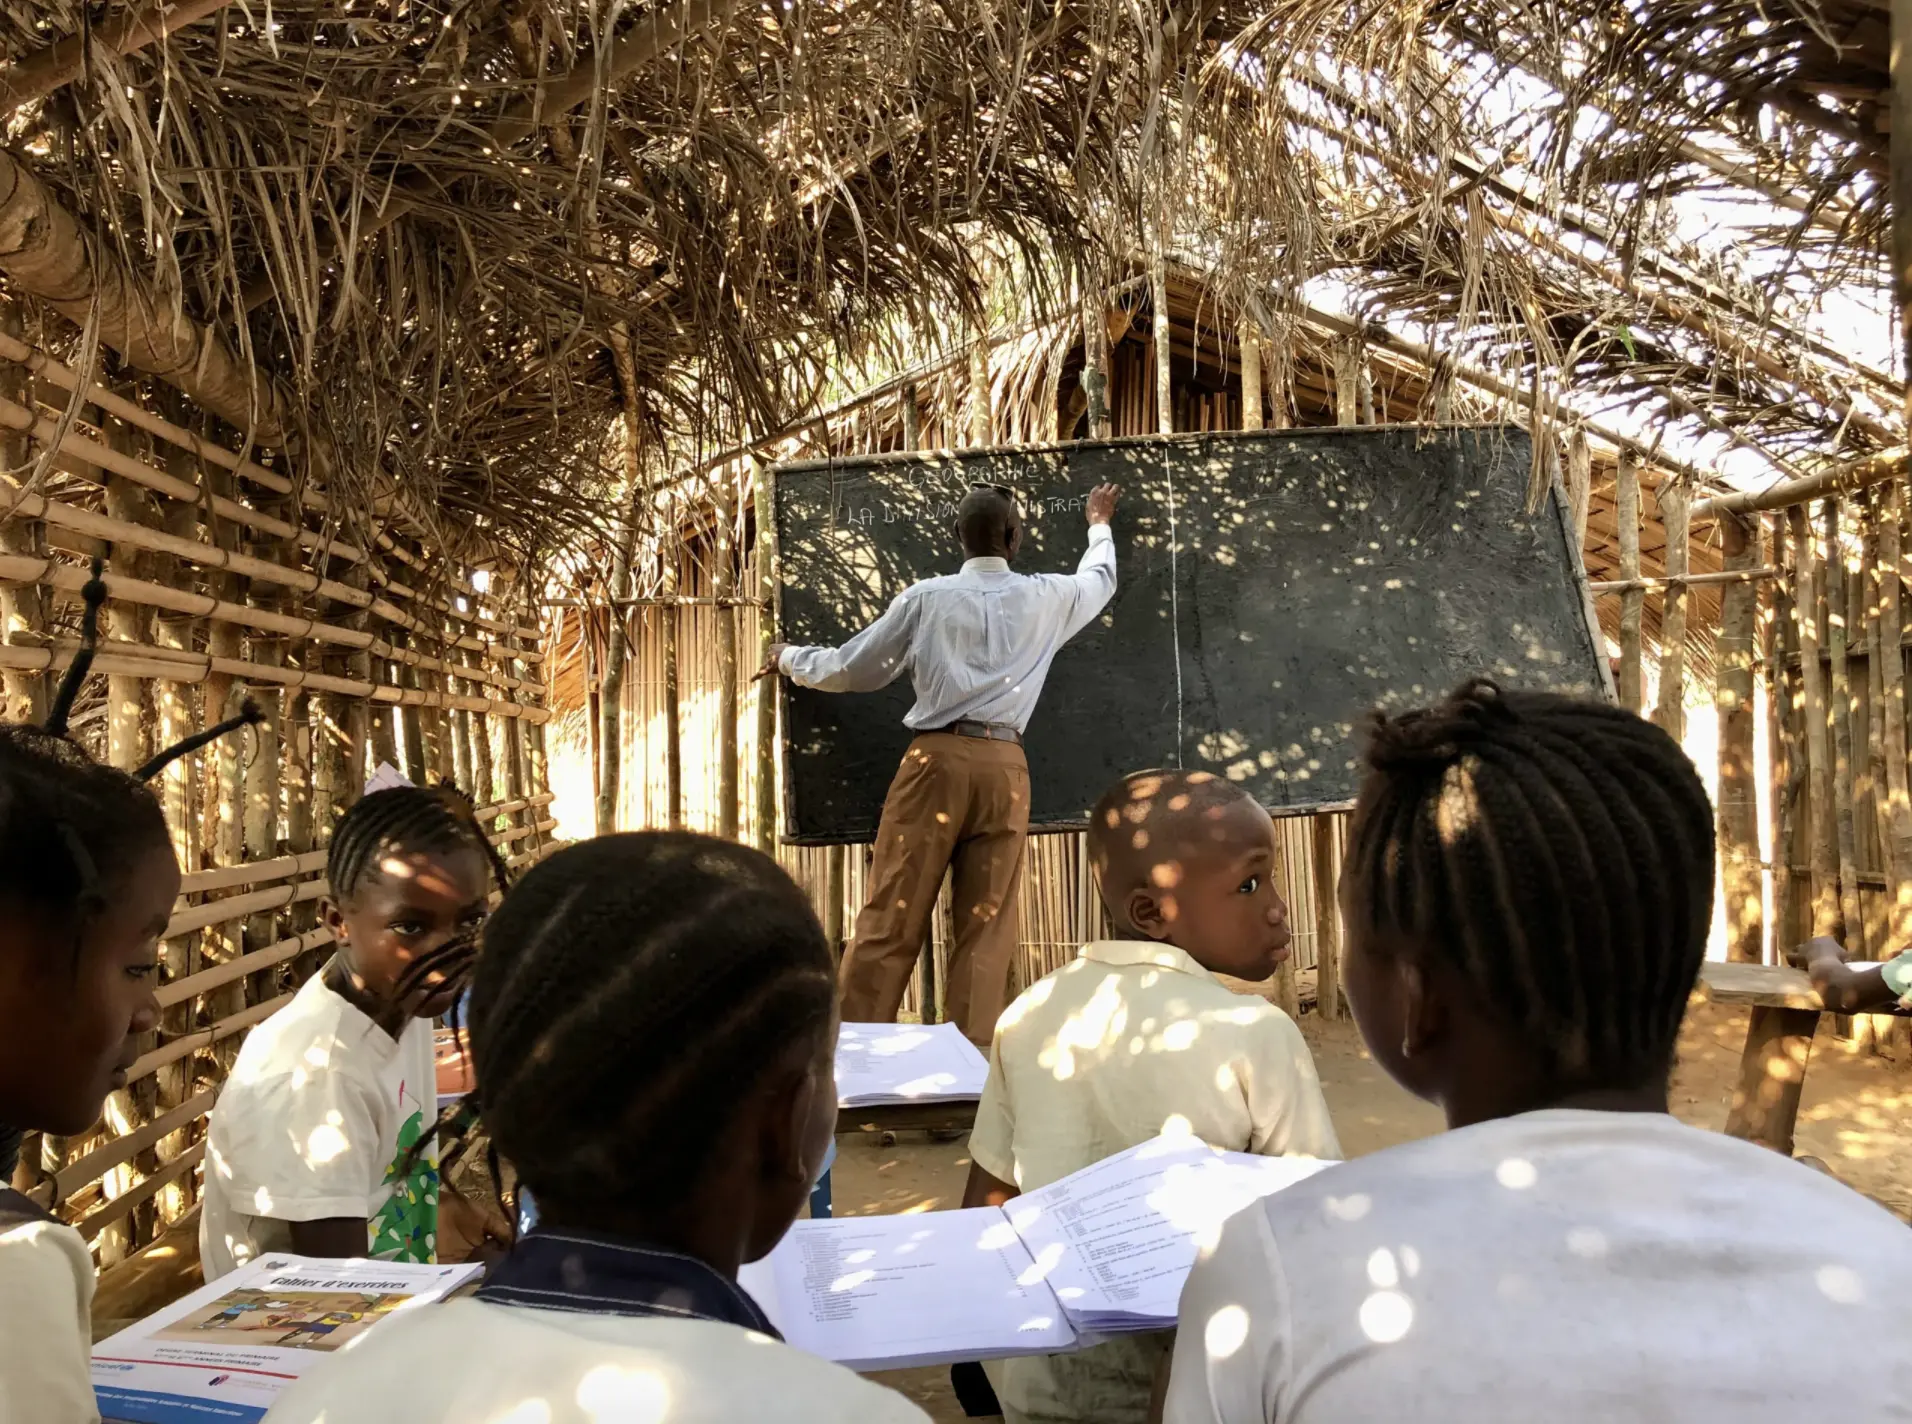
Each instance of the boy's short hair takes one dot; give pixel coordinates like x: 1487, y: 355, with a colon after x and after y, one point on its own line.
x: 1558, y: 852
x: 1150, y: 815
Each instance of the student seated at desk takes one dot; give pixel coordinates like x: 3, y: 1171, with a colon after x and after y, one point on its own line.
x: 1136, y: 1037
x: 1851, y: 989
x: 654, y: 1034
x: 1527, y: 894
x: 323, y: 1141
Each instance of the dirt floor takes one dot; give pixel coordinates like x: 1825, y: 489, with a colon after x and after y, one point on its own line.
x: 1856, y: 1116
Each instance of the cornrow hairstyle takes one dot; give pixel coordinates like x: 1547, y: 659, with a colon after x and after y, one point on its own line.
x: 67, y: 822
x: 1559, y: 853
x: 630, y: 992
x: 414, y: 818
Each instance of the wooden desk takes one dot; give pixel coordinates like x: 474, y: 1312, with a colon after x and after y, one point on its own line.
x: 1772, y: 1069
x: 909, y: 1117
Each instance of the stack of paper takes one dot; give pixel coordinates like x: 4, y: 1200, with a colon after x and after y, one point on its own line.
x: 881, y: 1064
x: 227, y: 1350
x: 1100, y: 1252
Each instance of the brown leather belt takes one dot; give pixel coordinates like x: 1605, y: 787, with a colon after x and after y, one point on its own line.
x: 982, y: 731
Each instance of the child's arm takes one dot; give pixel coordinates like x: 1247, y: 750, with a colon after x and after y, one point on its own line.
x: 1843, y: 989
x: 987, y: 1189
x: 1285, y: 1105
x: 332, y: 1238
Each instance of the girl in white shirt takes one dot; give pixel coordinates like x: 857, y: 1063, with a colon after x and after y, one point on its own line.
x: 653, y: 1032
x: 323, y: 1141
x: 88, y: 878
x: 1527, y: 894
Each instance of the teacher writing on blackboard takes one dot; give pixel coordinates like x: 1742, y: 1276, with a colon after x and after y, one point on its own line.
x: 977, y: 645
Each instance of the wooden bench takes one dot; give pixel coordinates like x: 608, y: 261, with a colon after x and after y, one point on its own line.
x: 1772, y: 1067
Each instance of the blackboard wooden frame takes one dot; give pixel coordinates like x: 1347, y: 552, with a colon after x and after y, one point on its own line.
x: 1058, y: 542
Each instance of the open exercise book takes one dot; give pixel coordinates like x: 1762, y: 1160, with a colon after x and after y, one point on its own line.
x: 228, y: 1349
x: 1103, y: 1251
x: 880, y: 1064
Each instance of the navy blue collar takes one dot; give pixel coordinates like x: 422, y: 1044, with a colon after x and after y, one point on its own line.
x: 600, y: 1275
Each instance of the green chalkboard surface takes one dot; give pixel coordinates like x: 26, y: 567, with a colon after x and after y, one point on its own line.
x: 1273, y: 588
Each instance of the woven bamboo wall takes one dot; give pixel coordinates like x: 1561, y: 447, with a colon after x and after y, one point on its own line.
x: 229, y: 575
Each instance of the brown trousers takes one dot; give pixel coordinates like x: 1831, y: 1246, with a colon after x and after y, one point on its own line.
x: 958, y: 803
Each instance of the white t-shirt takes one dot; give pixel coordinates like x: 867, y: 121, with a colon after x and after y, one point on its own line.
x: 46, y: 1320
x: 472, y: 1360
x: 315, y: 1121
x: 1558, y: 1265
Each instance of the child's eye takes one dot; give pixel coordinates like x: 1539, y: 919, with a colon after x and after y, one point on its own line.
x: 1250, y: 885
x: 408, y: 927
x: 142, y: 971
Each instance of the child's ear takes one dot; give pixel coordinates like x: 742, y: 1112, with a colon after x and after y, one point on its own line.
x: 793, y: 1104
x: 333, y: 918
x: 1423, y: 1016
x: 1152, y: 913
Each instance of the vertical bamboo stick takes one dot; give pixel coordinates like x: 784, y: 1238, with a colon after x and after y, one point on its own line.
x: 1891, y: 714
x: 1328, y: 999
x: 1738, y: 796
x: 610, y: 727
x: 1818, y: 741
x: 1675, y: 502
x: 766, y: 518
x: 1095, y: 353
x: 836, y: 872
x: 23, y: 607
x: 1164, y: 387
x: 669, y: 619
x: 1778, y: 644
x: 1579, y: 485
x: 981, y: 417
x: 127, y: 744
x: 1626, y: 513
x: 725, y: 584
x: 1250, y: 375
x: 1839, y: 699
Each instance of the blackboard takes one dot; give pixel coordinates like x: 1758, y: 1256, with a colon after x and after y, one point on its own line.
x: 1273, y: 588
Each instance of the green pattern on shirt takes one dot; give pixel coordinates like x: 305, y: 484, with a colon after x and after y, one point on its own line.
x: 406, y: 1227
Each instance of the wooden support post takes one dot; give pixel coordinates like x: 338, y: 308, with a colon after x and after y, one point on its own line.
x: 1778, y: 642
x: 1740, y: 876
x: 1347, y: 382
x: 610, y: 729
x: 1901, y: 179
x: 1579, y: 486
x: 670, y: 618
x: 1891, y: 715
x: 981, y: 417
x: 1818, y: 739
x: 766, y: 688
x: 1164, y: 386
x: 1095, y: 354
x: 725, y: 587
x: 836, y: 870
x: 1839, y: 700
x: 1626, y: 513
x: 1766, y: 1100
x: 1251, y: 398
x: 126, y: 740
x: 1675, y: 501
x: 912, y: 417
x: 23, y: 608
x: 1328, y: 1000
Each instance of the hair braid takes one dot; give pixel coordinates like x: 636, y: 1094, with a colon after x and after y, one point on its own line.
x: 1559, y: 853
x: 631, y: 991
x: 413, y: 818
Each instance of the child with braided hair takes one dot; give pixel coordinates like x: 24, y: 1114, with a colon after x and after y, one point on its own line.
x: 88, y: 878
x: 323, y: 1141
x: 1527, y: 895
x: 653, y: 1024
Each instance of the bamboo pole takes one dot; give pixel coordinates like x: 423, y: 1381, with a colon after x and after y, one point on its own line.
x: 1251, y: 399
x: 728, y: 768
x: 1839, y: 701
x: 1626, y: 502
x: 23, y: 611
x: 1818, y: 739
x: 1675, y: 501
x: 1095, y: 355
x: 1158, y: 307
x: 672, y: 714
x: 1328, y: 998
x: 981, y: 416
x: 1738, y: 802
x: 1891, y: 714
x: 1579, y: 485
x: 1784, y: 710
x: 766, y: 520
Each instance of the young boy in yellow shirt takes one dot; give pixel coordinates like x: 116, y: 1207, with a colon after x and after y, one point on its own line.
x: 1137, y: 1037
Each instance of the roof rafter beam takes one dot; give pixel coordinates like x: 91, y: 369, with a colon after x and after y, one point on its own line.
x: 39, y: 74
